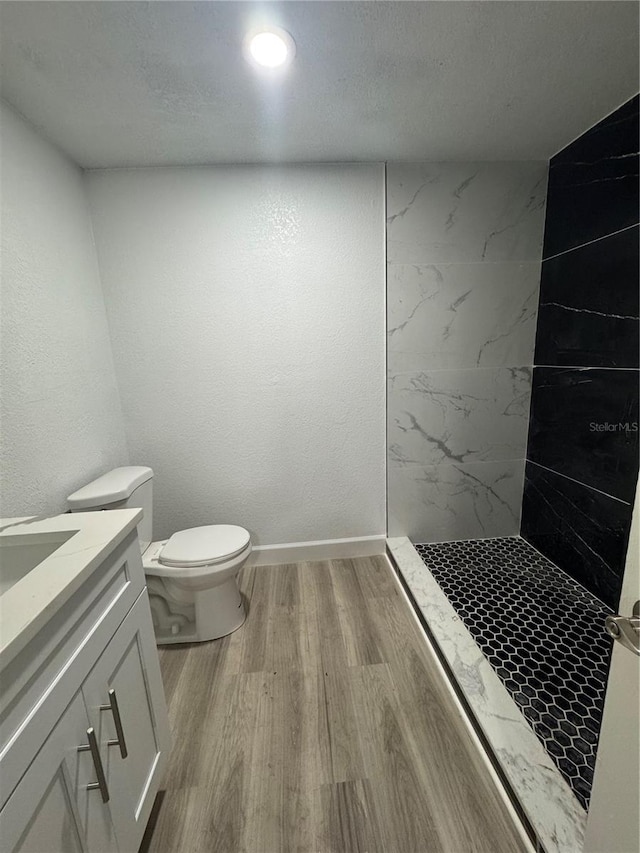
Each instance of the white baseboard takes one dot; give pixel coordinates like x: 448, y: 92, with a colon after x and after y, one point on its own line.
x: 323, y: 549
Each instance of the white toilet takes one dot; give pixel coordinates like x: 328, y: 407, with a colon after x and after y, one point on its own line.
x: 191, y: 577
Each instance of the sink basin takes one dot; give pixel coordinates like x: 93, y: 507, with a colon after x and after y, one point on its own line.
x: 22, y: 552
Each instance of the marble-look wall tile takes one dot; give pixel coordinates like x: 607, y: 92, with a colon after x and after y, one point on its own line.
x: 584, y: 424
x: 581, y: 530
x: 464, y: 243
x: 447, y: 212
x: 461, y: 315
x: 458, y: 415
x: 588, y: 313
x: 439, y: 503
x: 593, y: 183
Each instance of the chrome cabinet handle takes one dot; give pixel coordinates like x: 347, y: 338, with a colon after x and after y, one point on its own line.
x: 117, y: 721
x: 94, y: 749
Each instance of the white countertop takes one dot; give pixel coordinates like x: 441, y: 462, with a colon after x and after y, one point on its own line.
x: 26, y: 606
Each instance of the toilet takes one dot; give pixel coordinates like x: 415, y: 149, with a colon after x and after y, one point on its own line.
x: 191, y: 577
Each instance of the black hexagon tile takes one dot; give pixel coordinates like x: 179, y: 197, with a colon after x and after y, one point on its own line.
x: 544, y: 636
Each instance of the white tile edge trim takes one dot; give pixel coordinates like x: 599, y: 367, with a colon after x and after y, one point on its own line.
x: 323, y: 549
x: 550, y: 805
x: 468, y: 724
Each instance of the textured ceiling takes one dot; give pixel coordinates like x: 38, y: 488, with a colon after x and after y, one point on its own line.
x: 146, y: 83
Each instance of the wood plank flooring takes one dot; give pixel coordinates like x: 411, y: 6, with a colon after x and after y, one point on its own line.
x: 321, y: 726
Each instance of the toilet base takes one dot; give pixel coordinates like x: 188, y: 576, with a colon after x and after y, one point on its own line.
x: 195, y: 617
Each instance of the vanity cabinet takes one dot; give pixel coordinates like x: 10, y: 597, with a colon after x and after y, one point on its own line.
x: 52, y: 808
x: 123, y: 699
x: 59, y: 795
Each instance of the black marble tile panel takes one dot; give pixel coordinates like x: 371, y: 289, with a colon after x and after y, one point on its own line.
x: 593, y: 183
x: 584, y: 424
x: 582, y: 531
x: 588, y: 312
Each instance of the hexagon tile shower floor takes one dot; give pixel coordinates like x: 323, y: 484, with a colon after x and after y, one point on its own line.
x: 542, y: 632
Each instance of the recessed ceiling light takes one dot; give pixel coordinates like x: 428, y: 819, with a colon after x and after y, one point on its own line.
x: 269, y: 48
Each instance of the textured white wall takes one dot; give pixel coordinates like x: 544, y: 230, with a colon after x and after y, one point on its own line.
x: 246, y: 308
x: 61, y: 415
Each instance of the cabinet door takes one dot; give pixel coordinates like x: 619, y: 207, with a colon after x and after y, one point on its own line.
x: 125, y: 700
x: 51, y: 810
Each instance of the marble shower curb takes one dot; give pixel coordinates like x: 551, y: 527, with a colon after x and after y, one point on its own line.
x: 547, y: 801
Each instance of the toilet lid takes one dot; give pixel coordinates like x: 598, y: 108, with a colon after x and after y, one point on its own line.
x: 202, y: 546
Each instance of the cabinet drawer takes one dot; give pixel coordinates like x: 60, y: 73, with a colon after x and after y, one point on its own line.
x: 38, y: 682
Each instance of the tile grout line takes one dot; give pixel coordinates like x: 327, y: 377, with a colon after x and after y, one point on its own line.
x: 591, y: 242
x: 577, y: 482
x: 408, y: 465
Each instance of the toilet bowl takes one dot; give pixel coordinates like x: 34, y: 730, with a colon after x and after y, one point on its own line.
x: 196, y: 570
x: 192, y: 576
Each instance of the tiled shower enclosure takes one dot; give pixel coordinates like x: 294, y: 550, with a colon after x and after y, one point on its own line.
x: 512, y: 340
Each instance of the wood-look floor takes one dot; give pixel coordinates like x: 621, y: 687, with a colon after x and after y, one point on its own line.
x: 321, y: 726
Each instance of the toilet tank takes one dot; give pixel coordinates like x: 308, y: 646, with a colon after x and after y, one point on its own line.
x: 121, y: 488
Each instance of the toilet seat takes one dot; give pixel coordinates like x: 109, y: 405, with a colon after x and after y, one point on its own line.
x: 204, y: 546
